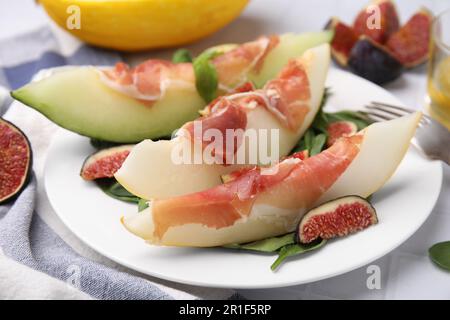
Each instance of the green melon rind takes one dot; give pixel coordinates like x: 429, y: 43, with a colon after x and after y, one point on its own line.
x: 102, y: 113
x: 291, y: 45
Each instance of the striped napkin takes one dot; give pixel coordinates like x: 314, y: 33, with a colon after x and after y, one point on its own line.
x: 39, y: 257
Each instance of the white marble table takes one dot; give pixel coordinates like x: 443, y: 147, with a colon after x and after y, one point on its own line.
x: 407, y: 272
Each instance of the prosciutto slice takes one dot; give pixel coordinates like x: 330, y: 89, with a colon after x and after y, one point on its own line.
x: 291, y: 184
x: 149, y: 80
x: 287, y: 97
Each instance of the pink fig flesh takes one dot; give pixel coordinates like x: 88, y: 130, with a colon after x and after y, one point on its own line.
x: 336, y: 218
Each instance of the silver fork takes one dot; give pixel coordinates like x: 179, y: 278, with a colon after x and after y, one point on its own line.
x: 432, y: 139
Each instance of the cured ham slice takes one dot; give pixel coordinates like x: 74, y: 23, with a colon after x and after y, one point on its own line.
x: 149, y: 80
x: 287, y: 97
x: 234, y: 66
x: 261, y: 203
x: 288, y: 184
x: 286, y: 104
x: 227, y: 115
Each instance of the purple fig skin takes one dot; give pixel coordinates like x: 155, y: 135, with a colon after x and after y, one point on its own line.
x: 373, y: 62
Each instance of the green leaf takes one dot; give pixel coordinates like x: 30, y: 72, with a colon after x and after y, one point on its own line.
x: 206, y: 79
x: 296, y: 249
x: 309, y: 139
x: 101, y: 144
x: 266, y: 245
x: 326, y: 95
x: 115, y: 190
x: 318, y: 144
x: 320, y: 121
x: 319, y: 125
x: 440, y: 254
x: 312, y: 142
x: 356, y: 117
x: 142, y: 205
x: 182, y: 55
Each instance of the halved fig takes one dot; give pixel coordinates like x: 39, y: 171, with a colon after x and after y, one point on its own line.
x: 336, y: 218
x: 410, y: 45
x: 15, y: 160
x: 372, y: 61
x: 104, y: 163
x: 343, y: 40
x: 338, y: 129
x: 377, y: 21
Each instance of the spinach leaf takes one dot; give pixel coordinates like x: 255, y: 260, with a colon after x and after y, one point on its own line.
x: 440, y: 254
x: 317, y: 144
x: 314, y: 139
x: 266, y: 245
x: 206, y: 78
x: 142, y: 205
x: 319, y: 125
x: 356, y: 117
x: 115, y: 190
x: 309, y: 139
x: 326, y: 95
x: 321, y: 121
x: 182, y: 55
x: 296, y: 249
x: 101, y: 144
x: 312, y: 142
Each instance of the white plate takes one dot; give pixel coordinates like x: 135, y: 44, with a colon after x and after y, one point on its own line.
x: 403, y: 205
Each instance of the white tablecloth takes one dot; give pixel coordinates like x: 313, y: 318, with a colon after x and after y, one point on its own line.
x: 406, y: 272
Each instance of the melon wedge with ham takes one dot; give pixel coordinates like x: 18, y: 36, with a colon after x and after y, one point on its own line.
x: 266, y: 202
x: 286, y: 105
x: 129, y: 104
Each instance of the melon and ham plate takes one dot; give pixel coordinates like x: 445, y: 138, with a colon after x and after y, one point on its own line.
x: 264, y: 202
x: 286, y: 105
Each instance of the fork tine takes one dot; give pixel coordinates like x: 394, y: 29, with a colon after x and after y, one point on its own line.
x: 429, y: 140
x: 399, y: 111
x: 377, y: 116
x: 392, y: 107
x: 387, y: 110
x: 423, y: 121
x: 387, y: 105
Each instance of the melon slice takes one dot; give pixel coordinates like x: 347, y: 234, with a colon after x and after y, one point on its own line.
x: 291, y: 45
x: 150, y: 172
x: 77, y: 99
x: 219, y: 216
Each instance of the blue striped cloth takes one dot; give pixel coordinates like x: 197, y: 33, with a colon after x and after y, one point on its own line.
x: 24, y: 236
